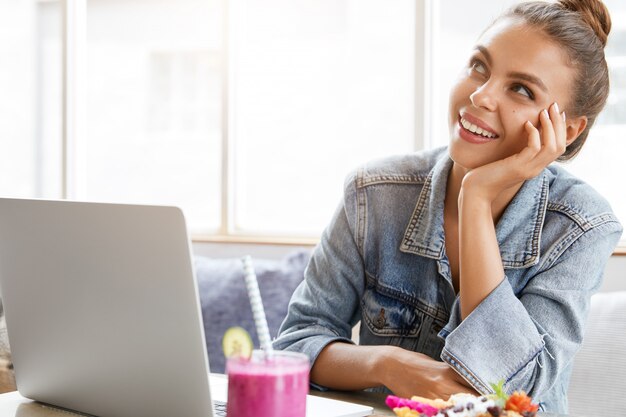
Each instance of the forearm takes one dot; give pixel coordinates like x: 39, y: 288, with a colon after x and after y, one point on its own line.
x: 480, y: 264
x: 348, y: 367
x: 345, y: 366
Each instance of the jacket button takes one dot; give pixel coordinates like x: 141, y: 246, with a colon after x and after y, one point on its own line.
x: 379, y: 322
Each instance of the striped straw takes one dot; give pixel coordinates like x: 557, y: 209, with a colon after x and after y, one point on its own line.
x: 258, y: 313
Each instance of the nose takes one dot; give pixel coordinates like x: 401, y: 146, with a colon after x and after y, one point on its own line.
x: 484, y: 97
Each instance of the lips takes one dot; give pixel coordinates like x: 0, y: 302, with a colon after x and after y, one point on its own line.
x: 476, y: 126
x: 475, y: 131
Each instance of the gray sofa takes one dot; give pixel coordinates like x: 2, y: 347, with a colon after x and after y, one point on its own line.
x: 225, y: 301
x: 598, y: 381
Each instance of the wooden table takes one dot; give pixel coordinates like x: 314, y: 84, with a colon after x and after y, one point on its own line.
x: 7, y: 379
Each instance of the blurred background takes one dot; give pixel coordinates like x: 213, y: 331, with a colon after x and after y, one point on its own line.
x: 248, y: 114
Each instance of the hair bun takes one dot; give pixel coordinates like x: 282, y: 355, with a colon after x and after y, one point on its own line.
x: 594, y: 13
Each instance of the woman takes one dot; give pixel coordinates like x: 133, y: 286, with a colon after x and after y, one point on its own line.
x: 475, y: 263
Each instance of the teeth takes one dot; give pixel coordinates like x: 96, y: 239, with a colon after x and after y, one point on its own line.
x: 475, y: 129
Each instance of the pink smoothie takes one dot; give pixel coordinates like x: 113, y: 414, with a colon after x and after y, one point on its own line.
x: 268, y: 387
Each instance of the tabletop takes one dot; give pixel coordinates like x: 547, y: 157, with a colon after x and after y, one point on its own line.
x: 12, y: 404
x: 375, y: 400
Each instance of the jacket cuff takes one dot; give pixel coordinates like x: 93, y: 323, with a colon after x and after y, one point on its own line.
x: 485, y: 348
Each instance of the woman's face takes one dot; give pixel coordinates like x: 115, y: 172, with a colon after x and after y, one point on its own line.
x: 514, y: 73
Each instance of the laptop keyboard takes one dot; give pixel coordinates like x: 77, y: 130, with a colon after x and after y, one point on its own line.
x: 219, y: 408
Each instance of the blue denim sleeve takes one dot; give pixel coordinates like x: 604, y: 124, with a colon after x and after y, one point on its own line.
x: 325, y: 306
x: 527, y: 339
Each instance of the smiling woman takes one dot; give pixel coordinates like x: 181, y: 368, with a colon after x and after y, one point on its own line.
x: 514, y: 74
x: 475, y: 263
x: 457, y: 28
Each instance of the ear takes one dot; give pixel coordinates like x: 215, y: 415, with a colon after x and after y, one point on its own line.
x: 574, y: 127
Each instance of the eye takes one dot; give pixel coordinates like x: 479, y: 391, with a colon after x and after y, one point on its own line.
x: 523, y: 90
x: 478, y: 66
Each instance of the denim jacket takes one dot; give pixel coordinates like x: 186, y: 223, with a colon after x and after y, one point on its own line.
x: 382, y: 261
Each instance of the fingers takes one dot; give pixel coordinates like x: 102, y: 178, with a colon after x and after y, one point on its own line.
x: 533, y: 148
x: 553, y: 131
x: 552, y: 137
x: 559, y: 128
x: 547, y: 131
x: 534, y: 137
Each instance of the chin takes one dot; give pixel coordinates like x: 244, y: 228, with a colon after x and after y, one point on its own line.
x: 471, y: 156
x: 463, y: 158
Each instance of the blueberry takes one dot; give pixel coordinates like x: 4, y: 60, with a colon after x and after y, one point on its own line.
x: 469, y: 406
x: 495, y: 411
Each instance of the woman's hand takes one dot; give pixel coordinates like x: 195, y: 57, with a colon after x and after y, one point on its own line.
x: 345, y: 366
x: 409, y: 373
x: 544, y: 147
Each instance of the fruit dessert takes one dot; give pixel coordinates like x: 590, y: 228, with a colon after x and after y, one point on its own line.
x: 499, y: 404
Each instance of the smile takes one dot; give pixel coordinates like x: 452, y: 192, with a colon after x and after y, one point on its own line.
x: 477, y: 130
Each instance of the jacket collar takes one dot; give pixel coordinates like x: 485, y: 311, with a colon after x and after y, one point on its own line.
x: 518, y: 231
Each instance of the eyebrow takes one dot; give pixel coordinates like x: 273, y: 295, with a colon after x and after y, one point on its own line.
x: 530, y: 78
x: 519, y: 75
x: 485, y: 52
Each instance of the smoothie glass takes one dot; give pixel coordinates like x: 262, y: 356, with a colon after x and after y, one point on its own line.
x: 265, y: 385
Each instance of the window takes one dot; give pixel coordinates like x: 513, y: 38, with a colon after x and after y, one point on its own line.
x: 152, y: 100
x: 232, y: 122
x: 30, y: 103
x: 249, y: 118
x: 318, y: 87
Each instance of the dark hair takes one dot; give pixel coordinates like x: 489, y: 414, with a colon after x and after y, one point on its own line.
x: 581, y: 27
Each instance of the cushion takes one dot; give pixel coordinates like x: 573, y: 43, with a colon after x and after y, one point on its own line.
x: 225, y: 303
x: 597, y: 383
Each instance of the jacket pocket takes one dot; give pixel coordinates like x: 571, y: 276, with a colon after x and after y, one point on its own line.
x: 389, y: 316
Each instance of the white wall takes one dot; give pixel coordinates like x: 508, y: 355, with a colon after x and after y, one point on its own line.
x: 237, y: 250
x: 615, y: 272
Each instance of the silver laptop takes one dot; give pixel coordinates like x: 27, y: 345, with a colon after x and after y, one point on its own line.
x: 103, y: 313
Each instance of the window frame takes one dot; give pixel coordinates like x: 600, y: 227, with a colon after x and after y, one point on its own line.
x: 74, y: 30
x: 73, y: 99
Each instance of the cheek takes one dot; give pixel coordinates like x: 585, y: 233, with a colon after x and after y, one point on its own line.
x: 521, y: 115
x: 515, y: 131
